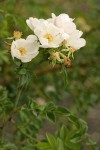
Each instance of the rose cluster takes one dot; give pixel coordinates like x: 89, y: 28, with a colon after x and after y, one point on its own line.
x: 57, y: 35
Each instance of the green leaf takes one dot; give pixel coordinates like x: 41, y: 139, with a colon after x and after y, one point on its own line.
x: 22, y: 71
x: 63, y: 132
x: 63, y: 111
x: 52, y: 141
x: 51, y: 116
x: 43, y: 146
x: 60, y: 145
x: 50, y: 107
x: 76, y: 138
x: 74, y: 120
x: 84, y: 127
x: 73, y: 146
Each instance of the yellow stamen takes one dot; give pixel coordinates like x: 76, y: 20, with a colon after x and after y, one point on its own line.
x: 48, y: 37
x: 22, y: 51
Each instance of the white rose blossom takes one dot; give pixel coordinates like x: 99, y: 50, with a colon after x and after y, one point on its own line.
x: 53, y: 33
x: 34, y: 22
x: 64, y: 21
x: 49, y: 35
x: 25, y: 49
x: 75, y: 41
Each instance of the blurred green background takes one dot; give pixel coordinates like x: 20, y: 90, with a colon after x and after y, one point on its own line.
x: 82, y: 92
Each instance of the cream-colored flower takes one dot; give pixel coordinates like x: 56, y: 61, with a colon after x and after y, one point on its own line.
x: 49, y: 35
x: 56, y: 31
x: 75, y: 41
x: 25, y: 50
x: 65, y: 22
x: 33, y: 22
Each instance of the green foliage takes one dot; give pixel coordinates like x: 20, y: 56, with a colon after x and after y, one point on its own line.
x: 5, y: 103
x: 67, y: 137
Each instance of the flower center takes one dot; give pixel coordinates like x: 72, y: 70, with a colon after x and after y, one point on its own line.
x: 48, y: 37
x: 22, y: 51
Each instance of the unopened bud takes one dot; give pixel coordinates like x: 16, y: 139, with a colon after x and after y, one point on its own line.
x: 72, y: 49
x: 55, y: 56
x: 17, y: 34
x: 67, y: 62
x: 64, y: 43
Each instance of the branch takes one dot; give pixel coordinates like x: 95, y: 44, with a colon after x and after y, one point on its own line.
x: 49, y: 68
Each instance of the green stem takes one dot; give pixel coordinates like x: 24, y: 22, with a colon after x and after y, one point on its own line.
x: 18, y: 98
